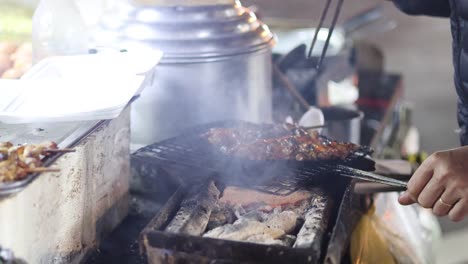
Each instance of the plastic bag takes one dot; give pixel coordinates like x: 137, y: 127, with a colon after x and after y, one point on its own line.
x: 367, y: 244
x: 373, y: 242
x: 417, y: 226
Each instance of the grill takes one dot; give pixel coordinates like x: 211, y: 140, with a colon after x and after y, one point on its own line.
x: 182, y: 154
x: 187, y: 159
x: 337, y: 214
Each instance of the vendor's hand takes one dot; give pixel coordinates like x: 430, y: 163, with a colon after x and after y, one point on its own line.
x: 441, y: 183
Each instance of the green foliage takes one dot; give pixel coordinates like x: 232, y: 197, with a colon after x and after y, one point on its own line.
x: 15, y: 21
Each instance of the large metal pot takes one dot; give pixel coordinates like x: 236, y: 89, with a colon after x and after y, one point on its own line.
x: 342, y: 124
x: 216, y: 65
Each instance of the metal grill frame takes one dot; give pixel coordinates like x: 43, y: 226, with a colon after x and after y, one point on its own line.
x: 279, y: 177
x: 183, y: 247
x: 158, y: 245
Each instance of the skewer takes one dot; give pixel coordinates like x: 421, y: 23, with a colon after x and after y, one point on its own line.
x: 64, y: 150
x: 41, y: 169
x: 17, y: 162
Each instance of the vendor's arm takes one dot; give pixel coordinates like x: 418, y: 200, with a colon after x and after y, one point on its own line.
x: 439, y: 8
x: 441, y: 183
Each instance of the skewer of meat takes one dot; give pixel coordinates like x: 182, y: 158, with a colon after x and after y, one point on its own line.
x: 43, y: 149
x: 6, y: 145
x: 17, y: 162
x: 9, y: 171
x: 294, y: 143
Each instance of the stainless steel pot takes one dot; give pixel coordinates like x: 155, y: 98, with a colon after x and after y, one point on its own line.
x: 342, y: 124
x: 216, y: 65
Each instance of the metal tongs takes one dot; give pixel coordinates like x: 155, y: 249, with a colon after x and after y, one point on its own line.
x: 371, y: 177
x: 330, y: 31
x: 389, y: 176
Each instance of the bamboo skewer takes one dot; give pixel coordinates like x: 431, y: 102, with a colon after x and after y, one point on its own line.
x: 41, y: 169
x: 64, y: 150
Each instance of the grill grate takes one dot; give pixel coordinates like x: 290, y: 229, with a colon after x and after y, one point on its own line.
x: 191, y: 151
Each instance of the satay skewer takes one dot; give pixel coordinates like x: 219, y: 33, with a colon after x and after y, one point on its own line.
x: 64, y: 150
x: 41, y: 169
x: 18, y: 161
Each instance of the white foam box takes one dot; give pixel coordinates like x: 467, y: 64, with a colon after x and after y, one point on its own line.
x: 62, y: 216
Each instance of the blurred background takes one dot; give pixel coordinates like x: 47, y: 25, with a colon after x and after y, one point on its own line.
x: 420, y: 49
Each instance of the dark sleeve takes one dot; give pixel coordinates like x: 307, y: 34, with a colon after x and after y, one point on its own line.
x: 440, y: 8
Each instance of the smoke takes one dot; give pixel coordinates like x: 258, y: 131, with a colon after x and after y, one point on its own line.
x: 183, y: 95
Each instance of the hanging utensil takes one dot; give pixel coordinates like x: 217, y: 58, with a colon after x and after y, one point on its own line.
x: 322, y: 19
x: 330, y: 30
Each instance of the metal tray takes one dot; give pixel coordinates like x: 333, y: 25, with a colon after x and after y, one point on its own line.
x: 76, y: 134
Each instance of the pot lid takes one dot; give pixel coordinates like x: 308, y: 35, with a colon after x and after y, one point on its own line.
x: 187, y: 32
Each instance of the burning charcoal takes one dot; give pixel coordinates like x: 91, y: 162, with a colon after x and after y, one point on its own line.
x: 194, y: 213
x: 252, y: 215
x: 247, y: 197
x: 315, y: 223
x: 265, y: 239
x: 220, y: 216
x: 286, y: 221
x: 258, y: 227
x: 288, y: 240
x: 299, y: 208
x: 245, y: 229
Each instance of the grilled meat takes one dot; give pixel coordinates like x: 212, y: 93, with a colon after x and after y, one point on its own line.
x: 17, y: 162
x: 278, y: 143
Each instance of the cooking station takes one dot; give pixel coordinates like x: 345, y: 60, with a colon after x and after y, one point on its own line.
x: 164, y: 193
x: 163, y: 172
x: 160, y: 184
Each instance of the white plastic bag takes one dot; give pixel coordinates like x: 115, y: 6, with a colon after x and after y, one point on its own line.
x: 414, y: 224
